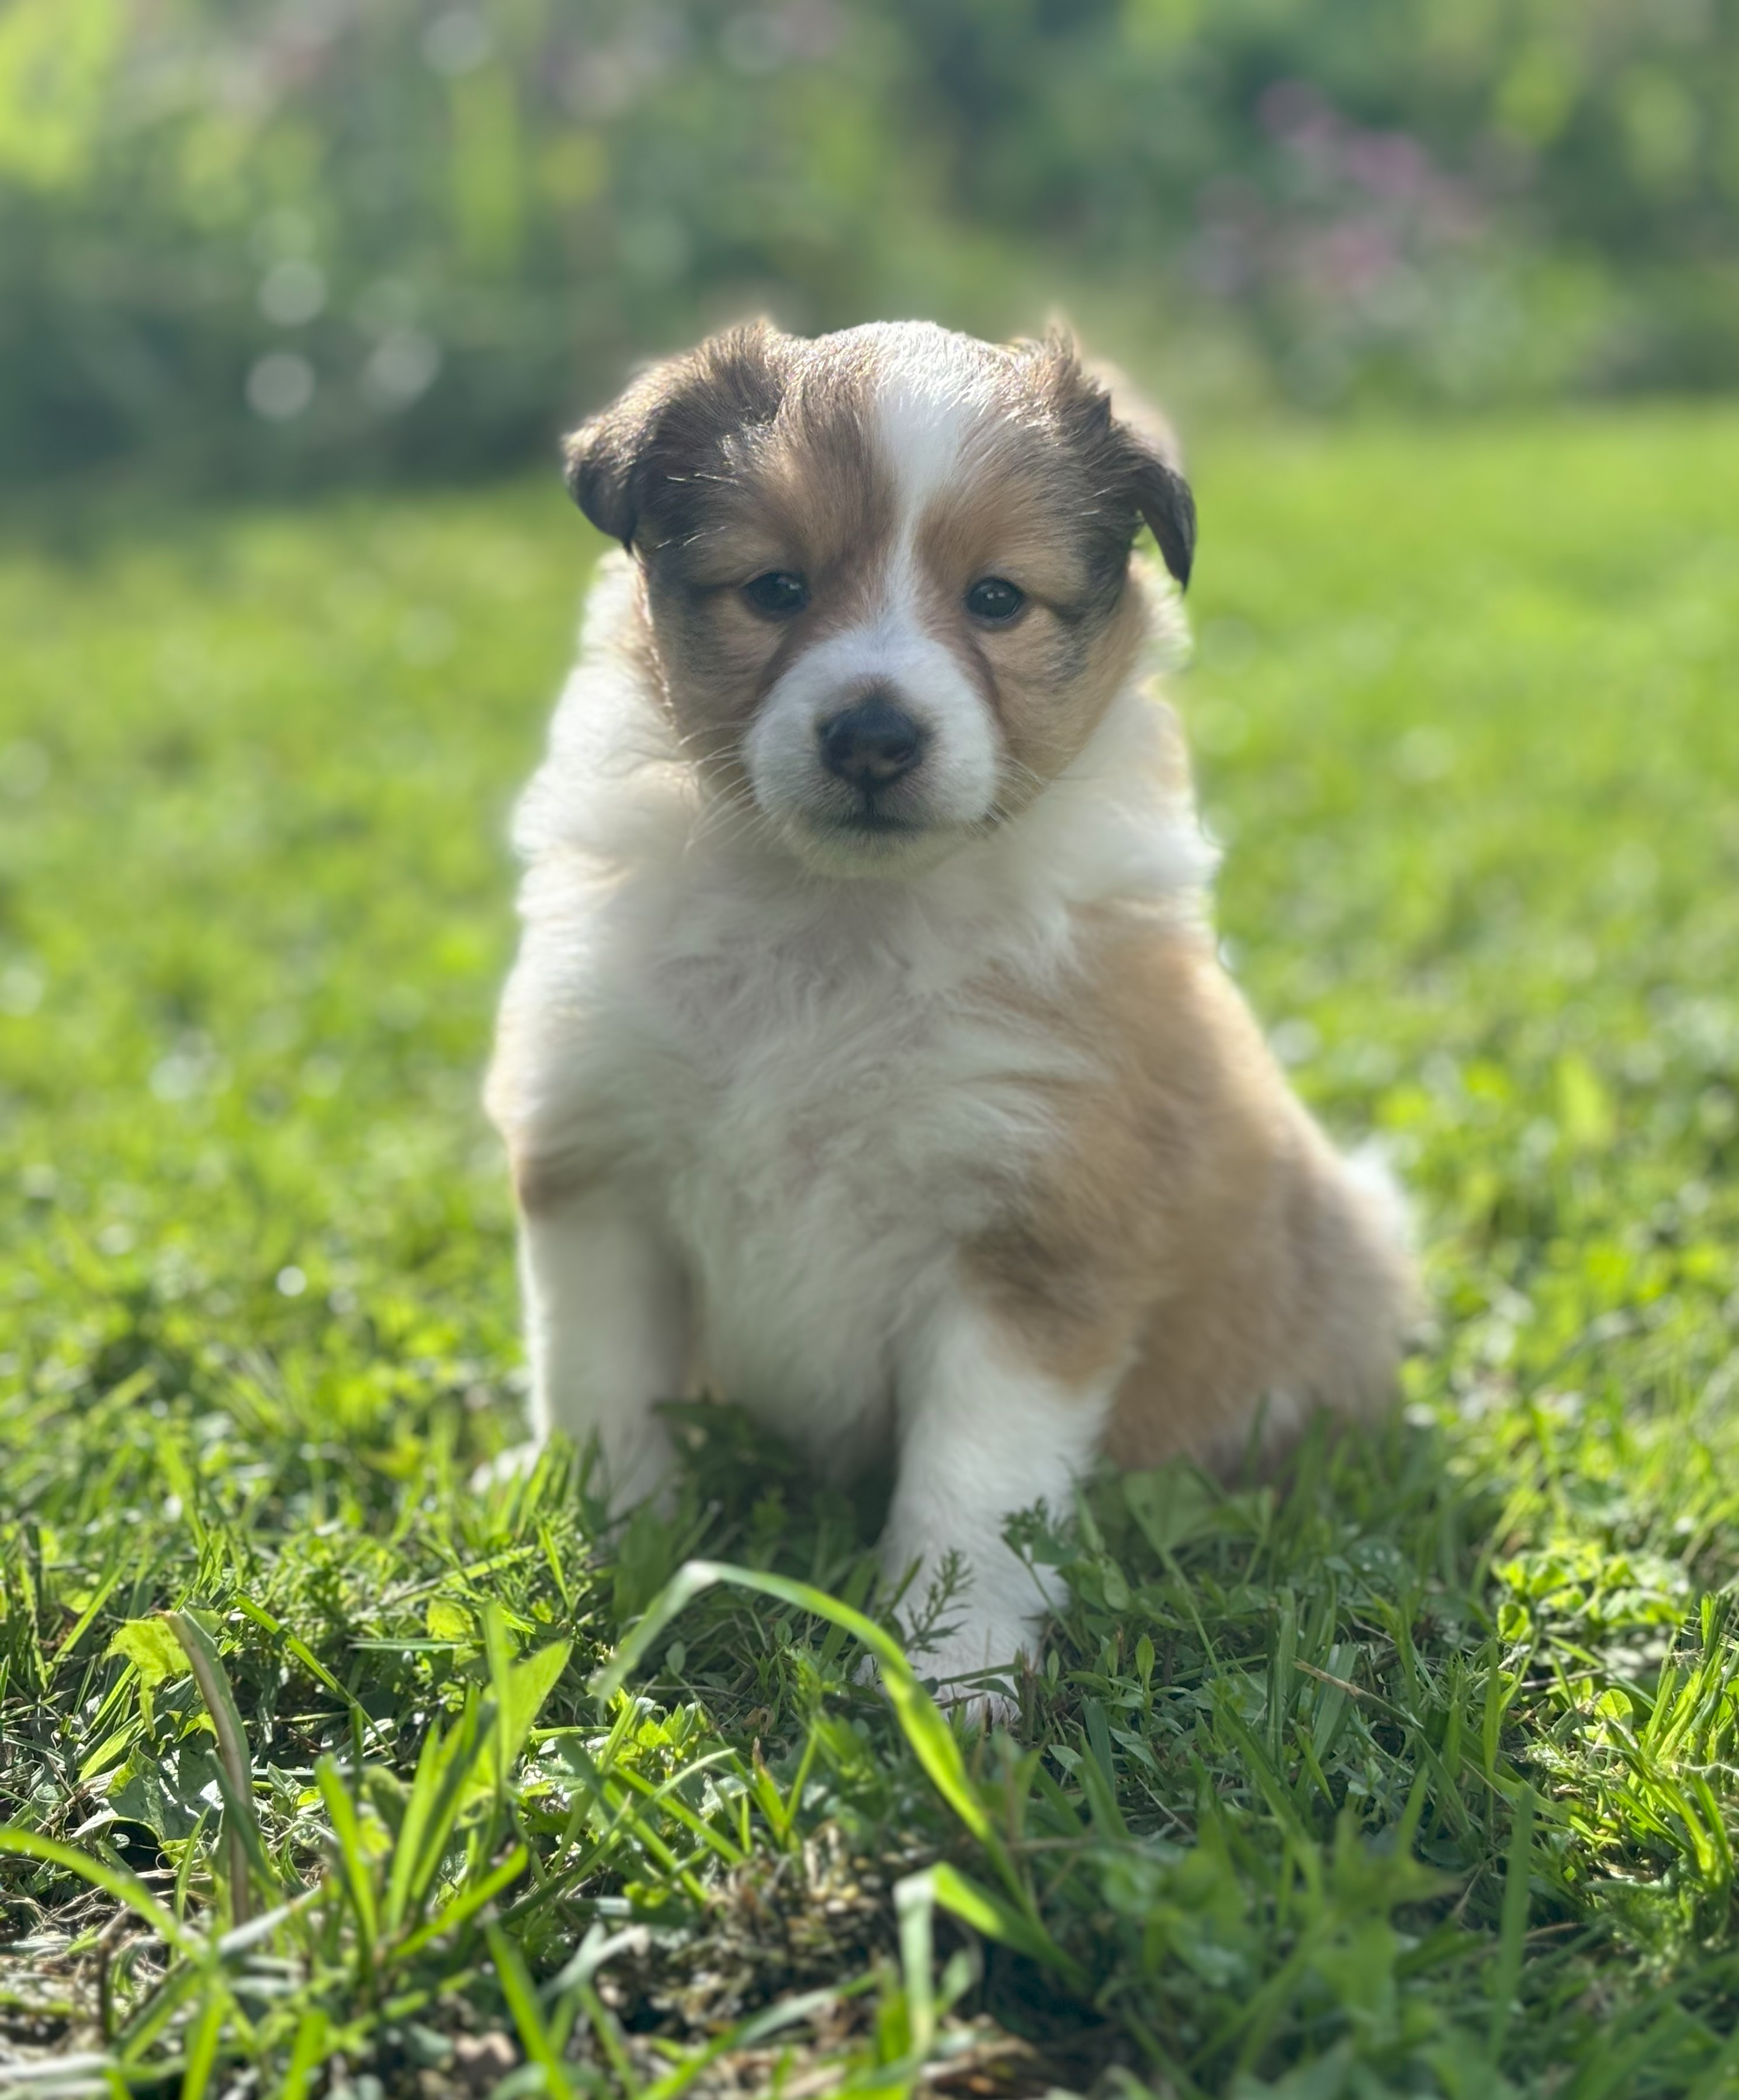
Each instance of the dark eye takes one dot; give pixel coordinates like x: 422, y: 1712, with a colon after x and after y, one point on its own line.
x: 995, y: 597
x: 778, y: 595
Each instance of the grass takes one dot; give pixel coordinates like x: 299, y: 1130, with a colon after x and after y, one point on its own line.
x: 1418, y: 1778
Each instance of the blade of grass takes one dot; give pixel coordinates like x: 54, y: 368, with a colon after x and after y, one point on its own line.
x: 202, y: 2044
x: 352, y: 1858
x: 240, y: 1819
x: 521, y: 2002
x: 467, y: 1903
x: 986, y: 1913
x: 307, y: 2053
x: 424, y: 1785
x: 311, y: 1662
x: 915, y: 1901
x: 453, y: 1768
x: 1513, y: 1924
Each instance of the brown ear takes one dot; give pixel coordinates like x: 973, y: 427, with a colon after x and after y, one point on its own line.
x: 599, y: 461
x: 1132, y: 445
x: 1162, y: 497
x: 1152, y: 471
x: 620, y: 464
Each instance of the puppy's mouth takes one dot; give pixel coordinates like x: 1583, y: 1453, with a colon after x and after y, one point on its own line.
x: 867, y: 839
x: 877, y: 823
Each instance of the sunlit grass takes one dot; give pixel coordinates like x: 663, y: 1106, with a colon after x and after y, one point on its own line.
x: 1416, y: 1779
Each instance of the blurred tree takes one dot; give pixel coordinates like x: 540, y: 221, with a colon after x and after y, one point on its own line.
x: 265, y: 240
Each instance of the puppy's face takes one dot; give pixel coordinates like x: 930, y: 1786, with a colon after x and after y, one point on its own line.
x: 886, y: 572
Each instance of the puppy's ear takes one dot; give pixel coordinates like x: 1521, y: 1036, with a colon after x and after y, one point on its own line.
x: 1162, y: 497
x: 1133, y: 448
x: 1152, y: 470
x: 672, y: 418
x: 598, y: 463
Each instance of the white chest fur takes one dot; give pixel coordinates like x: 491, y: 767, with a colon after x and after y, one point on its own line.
x: 820, y: 1103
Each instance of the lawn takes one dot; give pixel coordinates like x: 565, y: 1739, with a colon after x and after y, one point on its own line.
x: 1417, y: 1777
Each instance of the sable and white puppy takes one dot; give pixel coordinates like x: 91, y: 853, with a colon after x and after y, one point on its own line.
x: 867, y: 1060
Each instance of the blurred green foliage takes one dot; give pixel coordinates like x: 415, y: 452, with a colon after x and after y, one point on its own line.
x: 273, y: 239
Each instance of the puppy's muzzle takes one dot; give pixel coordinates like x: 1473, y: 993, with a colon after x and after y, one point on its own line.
x: 872, y: 743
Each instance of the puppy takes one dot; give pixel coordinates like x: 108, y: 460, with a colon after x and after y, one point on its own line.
x: 867, y: 1059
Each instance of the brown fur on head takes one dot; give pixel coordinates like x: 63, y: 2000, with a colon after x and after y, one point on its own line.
x: 886, y: 474
x: 699, y: 413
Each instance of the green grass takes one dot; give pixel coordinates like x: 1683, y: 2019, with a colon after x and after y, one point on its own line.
x: 1418, y: 1778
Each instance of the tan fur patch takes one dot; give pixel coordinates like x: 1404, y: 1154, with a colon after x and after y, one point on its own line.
x: 1191, y: 1224
x: 1050, y: 675
x: 803, y: 492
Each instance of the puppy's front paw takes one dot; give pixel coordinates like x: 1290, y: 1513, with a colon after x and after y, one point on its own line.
x: 992, y: 1704
x: 960, y: 1670
x: 985, y: 1706
x: 506, y: 1466
x: 978, y: 1664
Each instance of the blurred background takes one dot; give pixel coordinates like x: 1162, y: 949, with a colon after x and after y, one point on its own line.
x: 268, y: 244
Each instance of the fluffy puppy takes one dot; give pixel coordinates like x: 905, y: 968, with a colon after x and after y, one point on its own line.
x: 867, y: 1059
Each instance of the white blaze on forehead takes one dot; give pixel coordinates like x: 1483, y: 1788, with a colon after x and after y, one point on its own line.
x: 932, y: 390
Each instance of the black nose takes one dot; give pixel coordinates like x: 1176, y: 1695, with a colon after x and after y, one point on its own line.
x: 872, y: 743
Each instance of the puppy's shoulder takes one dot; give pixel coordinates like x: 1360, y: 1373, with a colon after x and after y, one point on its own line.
x: 1147, y: 990
x: 612, y: 766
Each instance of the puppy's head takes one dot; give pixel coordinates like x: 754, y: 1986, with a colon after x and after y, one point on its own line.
x: 885, y: 570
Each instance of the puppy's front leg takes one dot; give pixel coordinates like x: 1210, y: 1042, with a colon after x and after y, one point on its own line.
x: 983, y: 1433
x: 606, y: 1329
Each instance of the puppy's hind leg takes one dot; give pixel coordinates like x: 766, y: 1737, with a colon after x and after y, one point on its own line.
x: 606, y: 1331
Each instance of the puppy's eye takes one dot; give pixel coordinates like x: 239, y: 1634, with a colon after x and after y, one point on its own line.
x: 994, y: 598
x: 776, y: 595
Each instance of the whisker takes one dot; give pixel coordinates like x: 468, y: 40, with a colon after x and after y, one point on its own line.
x: 725, y: 822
